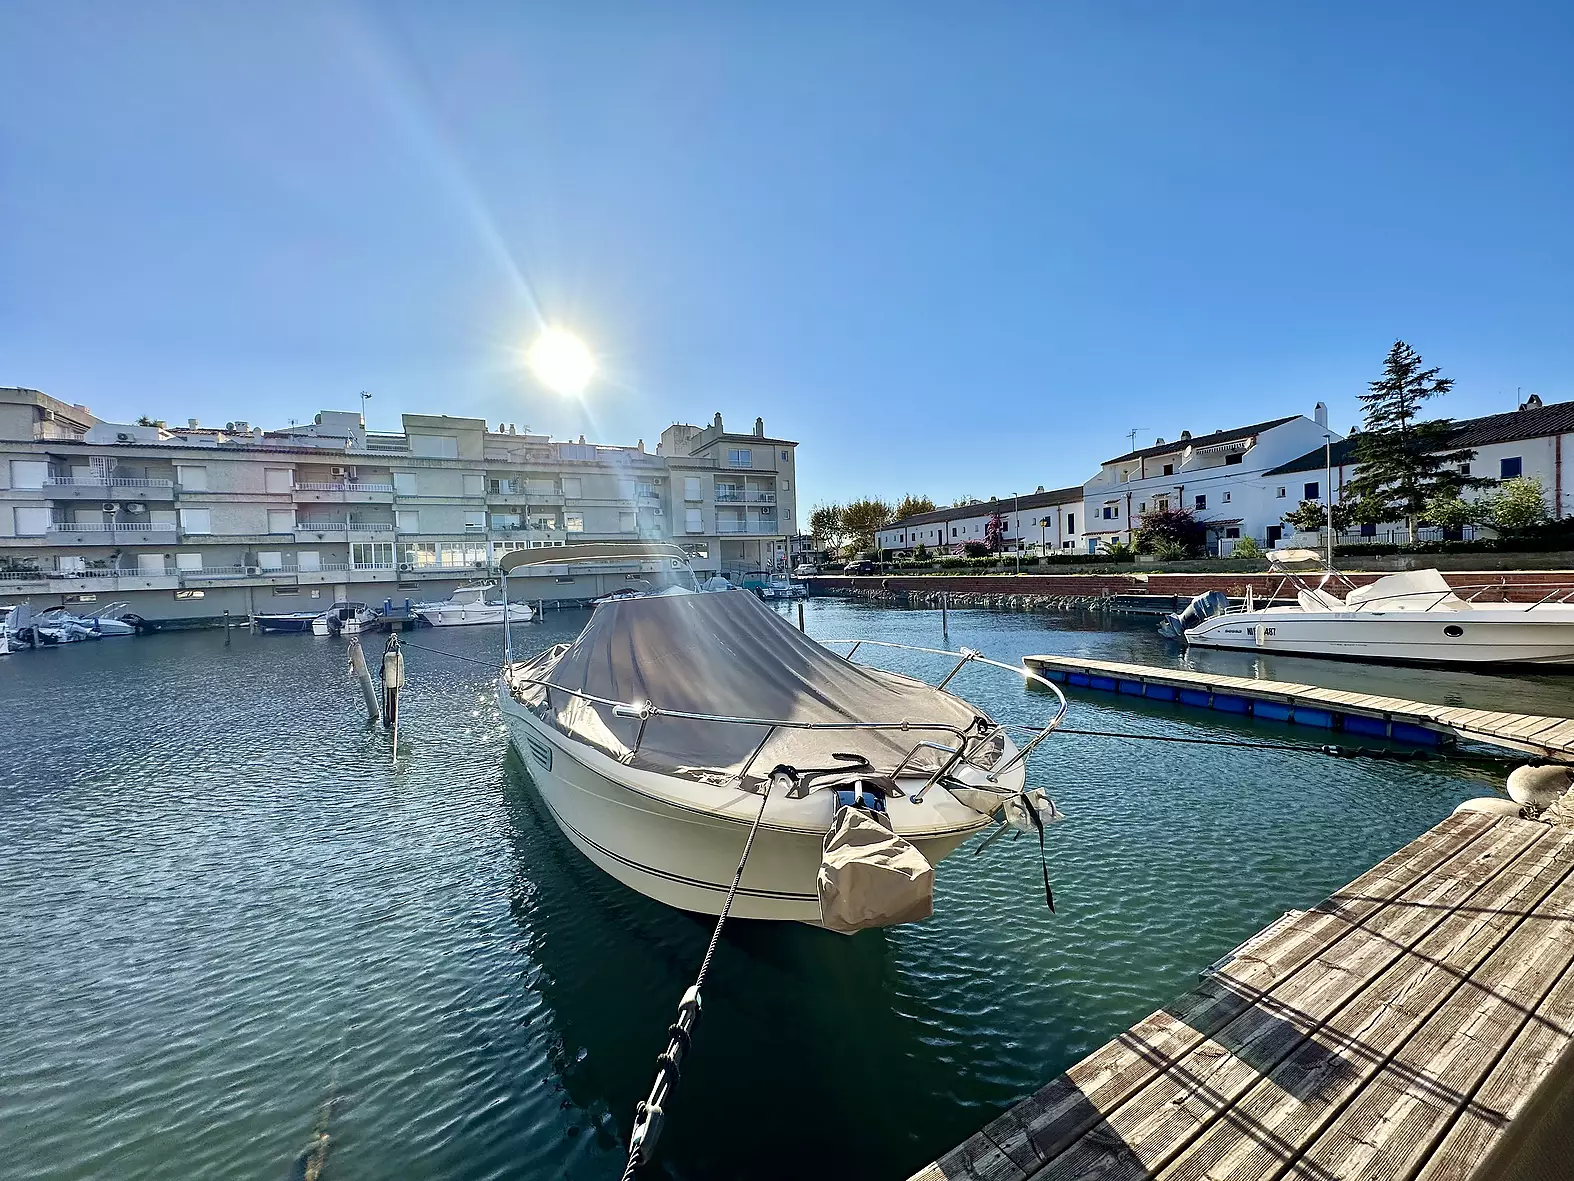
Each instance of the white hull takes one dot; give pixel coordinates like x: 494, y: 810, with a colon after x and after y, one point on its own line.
x: 463, y: 614
x: 679, y: 841
x: 1485, y: 635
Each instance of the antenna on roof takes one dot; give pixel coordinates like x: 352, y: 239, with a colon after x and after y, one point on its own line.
x: 1131, y: 436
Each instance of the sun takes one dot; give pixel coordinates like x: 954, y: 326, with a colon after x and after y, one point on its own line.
x: 561, y: 362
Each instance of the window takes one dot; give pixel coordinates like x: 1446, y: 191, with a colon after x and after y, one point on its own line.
x: 953, y: 530
x: 1125, y: 477
x: 277, y: 479
x: 1169, y: 469
x: 475, y: 518
x: 191, y: 479
x: 1112, y: 512
x: 543, y: 521
x: 645, y: 490
x: 508, y: 521
x: 407, y: 520
x: 435, y: 446
x: 1232, y: 533
x: 1202, y: 501
x: 1233, y: 457
x: 691, y: 488
x: 419, y: 554
x: 571, y: 487
x: 285, y: 592
x: 188, y: 561
x: 692, y: 522
x: 308, y: 560
x: 1312, y: 491
x: 271, y: 559
x: 372, y: 555
x: 31, y: 522
x: 404, y: 483
x: 626, y: 523
x: 29, y: 473
x: 1142, y: 506
x: 539, y: 487
x: 150, y: 563
x: 1162, y: 504
x: 1279, y: 492
x: 1464, y: 469
x: 1509, y: 468
x: 189, y: 594
x: 196, y: 520
x: 1071, y: 522
x: 475, y: 484
x: 740, y: 457
x: 786, y: 456
x: 574, y: 522
x: 281, y: 520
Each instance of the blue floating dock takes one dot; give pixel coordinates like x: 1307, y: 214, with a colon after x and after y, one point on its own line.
x: 1362, y: 715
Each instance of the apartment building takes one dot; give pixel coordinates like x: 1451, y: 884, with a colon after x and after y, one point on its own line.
x: 190, y: 522
x: 1219, y: 476
x: 1037, y: 522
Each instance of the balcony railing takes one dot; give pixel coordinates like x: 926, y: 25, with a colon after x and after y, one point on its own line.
x: 31, y: 575
x: 746, y: 526
x: 758, y: 497
x: 729, y: 494
x: 111, y: 527
x: 343, y: 486
x: 105, y: 482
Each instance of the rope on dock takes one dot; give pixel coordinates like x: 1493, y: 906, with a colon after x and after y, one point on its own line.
x: 649, y: 1113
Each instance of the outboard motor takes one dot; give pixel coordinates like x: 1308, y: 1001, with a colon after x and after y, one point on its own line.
x: 1204, y: 606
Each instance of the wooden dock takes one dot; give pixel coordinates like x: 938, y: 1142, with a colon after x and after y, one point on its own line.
x: 1415, y: 1026
x: 1363, y: 714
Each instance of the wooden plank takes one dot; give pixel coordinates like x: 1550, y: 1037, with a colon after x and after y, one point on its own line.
x: 1560, y: 737
x: 1136, y: 1138
x: 1040, y: 1126
x: 1507, y: 1092
x: 1393, y: 1123
x: 975, y: 1159
x: 1527, y: 727
x: 1289, y: 1106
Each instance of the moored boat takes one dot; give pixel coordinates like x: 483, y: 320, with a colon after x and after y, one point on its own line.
x: 676, y: 718
x: 470, y: 605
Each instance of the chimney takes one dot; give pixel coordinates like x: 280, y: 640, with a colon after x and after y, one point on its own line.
x: 640, y: 446
x: 716, y: 422
x: 1320, y: 415
x: 759, y: 426
x: 1531, y: 403
x: 1159, y: 442
x: 191, y: 422
x: 1185, y: 437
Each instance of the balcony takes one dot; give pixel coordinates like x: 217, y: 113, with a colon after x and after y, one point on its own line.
x: 756, y: 526
x: 343, y: 491
x: 109, y: 532
x: 107, y: 488
x: 111, y: 580
x: 757, y: 496
x: 724, y: 495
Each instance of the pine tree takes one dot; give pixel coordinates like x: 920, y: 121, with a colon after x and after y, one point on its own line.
x: 1403, y: 463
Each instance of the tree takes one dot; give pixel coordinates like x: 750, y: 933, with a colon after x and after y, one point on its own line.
x: 862, y: 519
x: 1403, y: 463
x: 1451, y: 512
x: 995, y: 532
x: 1310, y: 517
x: 1246, y: 547
x: 975, y: 549
x: 1518, y: 504
x: 144, y: 420
x: 825, y: 525
x: 911, y: 506
x: 964, y: 501
x: 1170, y: 532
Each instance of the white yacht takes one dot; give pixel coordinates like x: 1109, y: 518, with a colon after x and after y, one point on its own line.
x: 676, y: 719
x: 469, y: 604
x: 1414, y: 617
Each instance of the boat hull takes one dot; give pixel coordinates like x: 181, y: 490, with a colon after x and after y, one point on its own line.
x: 283, y: 623
x: 470, y: 614
x: 1403, y: 637
x: 685, y: 855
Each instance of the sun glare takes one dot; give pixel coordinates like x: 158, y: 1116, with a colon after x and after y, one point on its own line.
x: 561, y: 362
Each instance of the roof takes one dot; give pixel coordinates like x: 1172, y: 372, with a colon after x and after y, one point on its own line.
x: 1216, y: 437
x: 1537, y: 422
x: 982, y: 508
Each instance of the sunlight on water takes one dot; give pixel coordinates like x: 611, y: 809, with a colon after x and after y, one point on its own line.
x: 231, y: 926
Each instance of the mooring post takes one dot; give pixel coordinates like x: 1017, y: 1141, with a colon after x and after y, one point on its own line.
x: 800, y: 616
x: 226, y: 628
x: 393, y: 681
x: 364, y: 676
x: 945, y: 625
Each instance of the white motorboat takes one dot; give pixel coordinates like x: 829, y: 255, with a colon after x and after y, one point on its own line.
x: 1414, y: 617
x: 654, y: 735
x: 469, y: 604
x: 350, y: 619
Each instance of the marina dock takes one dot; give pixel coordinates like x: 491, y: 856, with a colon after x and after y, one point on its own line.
x: 1415, y: 1025
x: 1362, y: 714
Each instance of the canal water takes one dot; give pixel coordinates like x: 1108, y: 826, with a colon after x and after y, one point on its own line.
x: 230, y: 927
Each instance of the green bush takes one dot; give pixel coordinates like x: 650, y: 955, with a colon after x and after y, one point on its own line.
x: 1246, y: 547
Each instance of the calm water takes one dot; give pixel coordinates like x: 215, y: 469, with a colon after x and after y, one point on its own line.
x: 228, y: 923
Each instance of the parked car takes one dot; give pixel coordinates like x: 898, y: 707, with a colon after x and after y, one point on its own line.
x: 806, y: 570
x: 861, y: 567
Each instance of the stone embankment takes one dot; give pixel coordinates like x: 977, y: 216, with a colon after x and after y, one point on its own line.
x: 959, y: 600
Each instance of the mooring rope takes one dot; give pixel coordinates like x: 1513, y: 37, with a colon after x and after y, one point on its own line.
x: 649, y: 1113
x: 455, y: 655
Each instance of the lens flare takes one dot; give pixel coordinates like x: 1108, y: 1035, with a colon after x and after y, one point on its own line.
x: 561, y: 362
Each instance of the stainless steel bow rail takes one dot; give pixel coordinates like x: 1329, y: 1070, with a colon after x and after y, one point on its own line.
x: 970, y: 742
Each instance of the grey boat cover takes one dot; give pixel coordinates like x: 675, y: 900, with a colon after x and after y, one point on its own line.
x: 727, y: 654
x: 871, y: 876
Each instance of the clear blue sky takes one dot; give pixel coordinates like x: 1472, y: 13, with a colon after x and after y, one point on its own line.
x: 951, y: 248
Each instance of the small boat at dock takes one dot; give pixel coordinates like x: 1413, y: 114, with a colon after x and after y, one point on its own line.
x: 679, y: 717
x: 470, y: 605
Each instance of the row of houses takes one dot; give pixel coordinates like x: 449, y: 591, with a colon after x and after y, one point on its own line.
x: 193, y: 521
x: 1239, y: 482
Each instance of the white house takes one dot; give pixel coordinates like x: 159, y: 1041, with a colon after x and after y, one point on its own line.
x: 1218, y: 476
x: 1531, y: 441
x: 1036, y: 522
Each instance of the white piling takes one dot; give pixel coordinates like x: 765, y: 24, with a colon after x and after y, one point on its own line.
x: 393, y: 681
x: 364, y: 676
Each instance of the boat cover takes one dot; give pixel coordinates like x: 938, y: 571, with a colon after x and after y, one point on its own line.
x: 870, y: 876
x: 727, y: 654
x: 1412, y: 590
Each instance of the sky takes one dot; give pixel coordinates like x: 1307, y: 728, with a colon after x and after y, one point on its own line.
x: 953, y: 249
